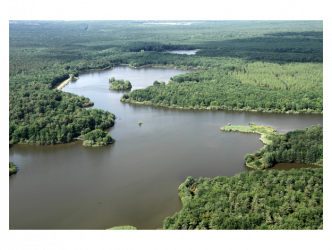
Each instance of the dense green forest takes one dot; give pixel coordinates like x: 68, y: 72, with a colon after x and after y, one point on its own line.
x: 300, y: 146
x: 258, y: 199
x: 291, y: 76
x: 51, y: 117
x: 119, y: 84
x: 216, y: 89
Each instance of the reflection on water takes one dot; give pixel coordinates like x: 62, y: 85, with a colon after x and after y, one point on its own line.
x: 135, y: 180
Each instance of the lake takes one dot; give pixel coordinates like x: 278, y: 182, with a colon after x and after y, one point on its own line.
x: 135, y: 180
x: 182, y: 52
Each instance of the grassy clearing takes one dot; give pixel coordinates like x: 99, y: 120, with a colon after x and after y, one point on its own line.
x: 264, y: 131
x: 266, y: 137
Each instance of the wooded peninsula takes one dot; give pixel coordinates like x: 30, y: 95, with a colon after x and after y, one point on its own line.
x: 256, y: 66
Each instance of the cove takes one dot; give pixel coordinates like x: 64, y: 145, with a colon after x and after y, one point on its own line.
x: 135, y: 180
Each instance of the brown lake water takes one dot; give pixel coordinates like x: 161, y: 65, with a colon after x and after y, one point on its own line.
x: 135, y: 180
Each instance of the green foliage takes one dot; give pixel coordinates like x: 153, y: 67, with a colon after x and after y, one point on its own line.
x: 301, y: 146
x: 120, y: 84
x: 265, y: 132
x: 52, y: 117
x: 249, y: 158
x: 293, y: 76
x: 156, y: 83
x: 218, y: 90
x: 12, y: 168
x: 257, y: 163
x: 257, y: 154
x: 97, y: 138
x: 268, y: 159
x: 252, y: 200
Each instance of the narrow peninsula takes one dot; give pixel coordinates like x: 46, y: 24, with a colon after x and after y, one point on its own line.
x: 300, y: 146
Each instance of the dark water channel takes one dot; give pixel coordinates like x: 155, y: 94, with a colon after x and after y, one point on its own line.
x: 134, y: 181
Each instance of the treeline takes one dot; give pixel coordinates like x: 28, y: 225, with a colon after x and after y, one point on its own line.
x: 39, y: 46
x: 97, y: 138
x: 252, y: 200
x: 300, y: 146
x: 215, y: 89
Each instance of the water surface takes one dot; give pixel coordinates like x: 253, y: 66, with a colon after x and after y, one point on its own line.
x: 135, y: 180
x: 182, y: 52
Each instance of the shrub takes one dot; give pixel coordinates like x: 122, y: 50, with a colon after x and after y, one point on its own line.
x: 249, y: 158
x: 258, y: 154
x: 12, y: 168
x: 257, y: 163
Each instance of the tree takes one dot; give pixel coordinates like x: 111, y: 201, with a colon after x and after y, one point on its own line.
x: 249, y: 158
x: 257, y: 163
x: 268, y: 159
x: 156, y: 83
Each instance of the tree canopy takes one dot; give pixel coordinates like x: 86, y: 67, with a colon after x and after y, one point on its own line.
x: 252, y: 200
x: 120, y: 84
x: 219, y: 89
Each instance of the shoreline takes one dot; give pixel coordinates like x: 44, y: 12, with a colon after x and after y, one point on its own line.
x: 148, y: 103
x: 265, y: 132
x: 61, y: 85
x: 161, y: 66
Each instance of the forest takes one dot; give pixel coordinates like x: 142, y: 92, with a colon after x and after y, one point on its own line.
x: 257, y: 199
x: 300, y: 146
x: 45, y: 117
x: 218, y: 89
